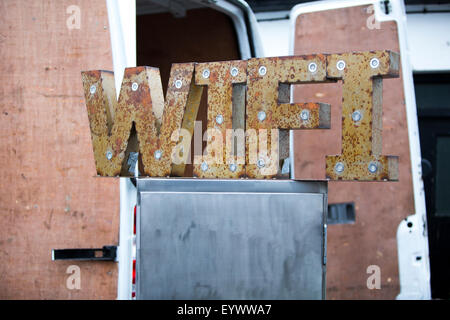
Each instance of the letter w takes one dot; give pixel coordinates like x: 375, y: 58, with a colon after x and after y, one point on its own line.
x: 141, y: 103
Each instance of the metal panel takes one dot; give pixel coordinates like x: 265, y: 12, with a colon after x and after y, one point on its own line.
x: 230, y: 239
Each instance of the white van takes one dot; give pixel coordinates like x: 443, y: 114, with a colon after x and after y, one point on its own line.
x: 403, y: 236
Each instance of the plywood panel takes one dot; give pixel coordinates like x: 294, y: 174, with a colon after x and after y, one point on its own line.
x: 380, y: 206
x: 48, y: 195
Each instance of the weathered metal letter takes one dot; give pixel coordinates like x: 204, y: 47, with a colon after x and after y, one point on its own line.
x: 268, y: 107
x: 226, y: 118
x: 361, y: 74
x: 140, y: 102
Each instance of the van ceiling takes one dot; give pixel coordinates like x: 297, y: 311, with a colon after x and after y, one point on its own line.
x: 179, y: 7
x: 286, y: 5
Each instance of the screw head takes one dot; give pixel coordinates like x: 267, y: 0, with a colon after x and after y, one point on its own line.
x: 339, y: 167
x: 374, y: 63
x: 234, y: 71
x: 373, y: 167
x: 204, y: 166
x: 312, y: 67
x: 340, y: 65
x: 261, y: 163
x: 109, y: 155
x: 262, y: 70
x: 304, y: 115
x: 158, y: 154
x: 205, y: 73
x: 233, y: 167
x: 178, y: 84
x: 134, y: 86
x: 356, y: 116
x: 261, y: 116
x: 219, y: 119
x: 92, y: 89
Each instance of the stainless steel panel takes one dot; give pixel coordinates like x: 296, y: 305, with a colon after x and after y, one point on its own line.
x: 230, y: 239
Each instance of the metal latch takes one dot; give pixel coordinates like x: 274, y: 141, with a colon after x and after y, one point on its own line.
x: 107, y: 253
x: 341, y: 213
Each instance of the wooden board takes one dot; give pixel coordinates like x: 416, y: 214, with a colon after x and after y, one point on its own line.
x: 380, y: 206
x: 48, y: 195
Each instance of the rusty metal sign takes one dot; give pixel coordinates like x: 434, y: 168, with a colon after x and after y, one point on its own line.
x: 248, y: 116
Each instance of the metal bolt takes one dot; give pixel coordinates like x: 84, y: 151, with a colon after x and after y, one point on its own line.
x: 340, y: 65
x: 261, y: 116
x: 234, y: 71
x: 339, y: 167
x: 92, y: 89
x: 232, y: 167
x: 205, y: 73
x: 356, y: 116
x: 374, y: 63
x: 312, y: 67
x: 260, y: 163
x: 178, y: 84
x: 204, y: 166
x: 304, y: 115
x: 134, y: 86
x: 109, y: 155
x: 158, y: 154
x: 262, y: 70
x: 373, y: 167
x: 219, y: 119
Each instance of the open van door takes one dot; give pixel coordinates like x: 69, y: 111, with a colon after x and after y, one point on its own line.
x: 158, y: 33
x: 388, y: 238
